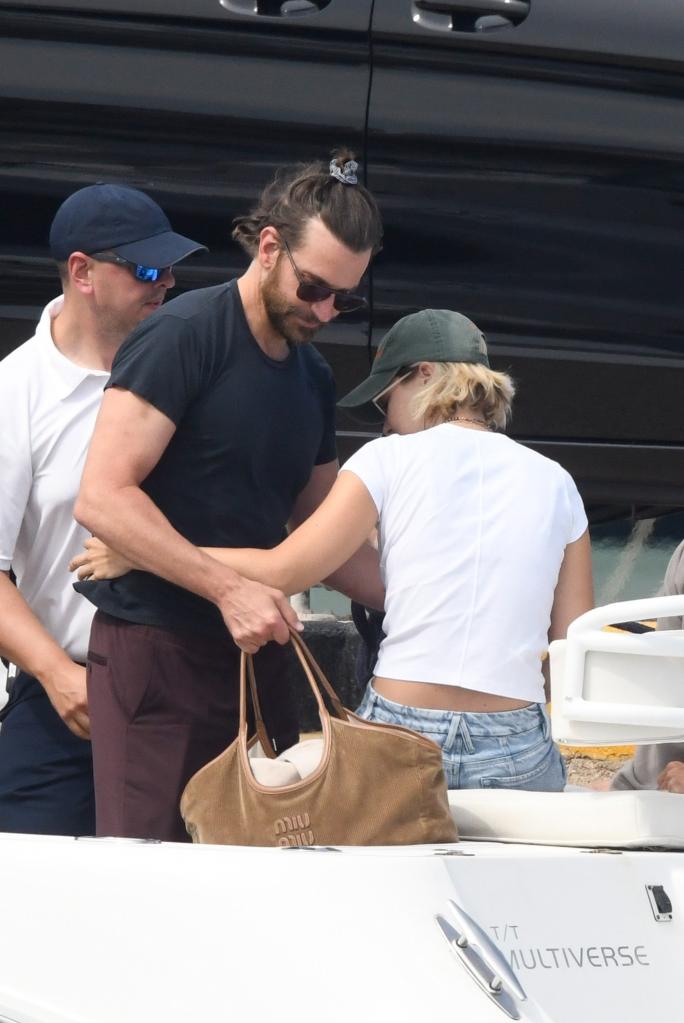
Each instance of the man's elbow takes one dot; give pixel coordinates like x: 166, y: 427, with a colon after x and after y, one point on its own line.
x: 87, y: 510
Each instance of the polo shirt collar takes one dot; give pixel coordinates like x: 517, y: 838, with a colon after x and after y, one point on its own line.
x: 68, y: 375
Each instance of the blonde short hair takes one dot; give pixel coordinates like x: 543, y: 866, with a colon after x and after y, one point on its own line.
x: 457, y: 385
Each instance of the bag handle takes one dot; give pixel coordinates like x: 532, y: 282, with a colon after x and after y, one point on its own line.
x: 259, y: 726
x: 302, y: 649
x: 312, y: 670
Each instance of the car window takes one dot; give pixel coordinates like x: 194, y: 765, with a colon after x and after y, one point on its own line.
x: 630, y: 558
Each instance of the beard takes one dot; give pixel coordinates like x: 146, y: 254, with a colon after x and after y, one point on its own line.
x: 290, y: 321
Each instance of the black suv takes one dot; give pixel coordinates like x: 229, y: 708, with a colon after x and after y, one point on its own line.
x: 528, y: 156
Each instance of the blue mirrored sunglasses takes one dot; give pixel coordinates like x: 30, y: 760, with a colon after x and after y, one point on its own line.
x: 148, y: 274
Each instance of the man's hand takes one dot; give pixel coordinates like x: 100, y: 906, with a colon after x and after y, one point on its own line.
x: 66, y: 690
x: 255, y: 614
x: 671, y: 778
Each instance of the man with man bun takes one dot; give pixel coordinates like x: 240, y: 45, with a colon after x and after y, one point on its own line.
x: 115, y: 250
x: 217, y: 430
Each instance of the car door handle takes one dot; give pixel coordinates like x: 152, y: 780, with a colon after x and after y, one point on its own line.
x: 469, y: 15
x: 514, y: 9
x: 272, y: 8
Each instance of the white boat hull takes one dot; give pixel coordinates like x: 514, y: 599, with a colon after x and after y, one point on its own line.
x: 101, y: 931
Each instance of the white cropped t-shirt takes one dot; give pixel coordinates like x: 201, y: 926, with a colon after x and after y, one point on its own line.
x: 472, y: 531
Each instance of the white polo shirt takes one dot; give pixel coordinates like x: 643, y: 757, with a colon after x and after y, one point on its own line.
x: 48, y: 407
x: 473, y: 530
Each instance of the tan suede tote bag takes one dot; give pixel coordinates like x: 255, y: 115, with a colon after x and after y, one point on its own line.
x: 376, y: 784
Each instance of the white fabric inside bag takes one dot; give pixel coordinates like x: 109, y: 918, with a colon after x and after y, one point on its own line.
x: 292, y: 765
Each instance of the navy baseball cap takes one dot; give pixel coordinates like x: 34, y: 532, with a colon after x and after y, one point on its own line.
x: 124, y: 220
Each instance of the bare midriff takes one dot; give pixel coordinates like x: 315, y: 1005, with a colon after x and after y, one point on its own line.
x: 434, y: 696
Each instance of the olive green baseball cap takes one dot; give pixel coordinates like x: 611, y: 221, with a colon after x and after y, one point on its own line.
x: 432, y: 335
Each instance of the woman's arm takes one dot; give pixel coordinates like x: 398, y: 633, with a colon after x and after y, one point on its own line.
x: 574, y: 593
x: 323, y: 542
x: 359, y: 578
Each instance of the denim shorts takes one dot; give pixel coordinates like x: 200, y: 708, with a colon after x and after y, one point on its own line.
x: 509, y: 749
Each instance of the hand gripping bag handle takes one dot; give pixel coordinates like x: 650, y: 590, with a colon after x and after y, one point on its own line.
x: 312, y: 670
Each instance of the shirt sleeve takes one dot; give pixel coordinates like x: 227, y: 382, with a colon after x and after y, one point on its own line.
x: 164, y: 362
x: 370, y: 464
x: 578, y: 516
x: 16, y: 470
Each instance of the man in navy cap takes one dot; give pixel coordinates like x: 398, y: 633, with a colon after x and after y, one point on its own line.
x: 115, y: 250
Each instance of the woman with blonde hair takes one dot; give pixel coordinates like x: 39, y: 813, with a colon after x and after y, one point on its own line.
x: 484, y: 553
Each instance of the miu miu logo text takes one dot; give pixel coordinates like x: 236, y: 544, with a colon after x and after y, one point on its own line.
x: 294, y: 831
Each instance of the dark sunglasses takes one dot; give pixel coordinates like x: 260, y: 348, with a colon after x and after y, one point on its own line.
x: 147, y: 274
x: 381, y: 399
x: 344, y: 301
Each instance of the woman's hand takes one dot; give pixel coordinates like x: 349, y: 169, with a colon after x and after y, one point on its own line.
x: 99, y: 562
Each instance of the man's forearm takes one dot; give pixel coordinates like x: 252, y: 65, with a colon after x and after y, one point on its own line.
x: 129, y: 522
x: 24, y: 640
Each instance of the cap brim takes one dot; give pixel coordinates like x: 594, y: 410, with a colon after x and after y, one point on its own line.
x: 160, y: 250
x: 359, y: 400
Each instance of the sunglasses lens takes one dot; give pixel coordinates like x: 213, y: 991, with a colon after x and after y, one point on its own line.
x: 348, y: 303
x: 343, y: 302
x: 147, y: 273
x: 313, y: 292
x: 381, y: 400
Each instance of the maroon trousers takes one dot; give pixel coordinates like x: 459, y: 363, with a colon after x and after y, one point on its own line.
x: 163, y: 704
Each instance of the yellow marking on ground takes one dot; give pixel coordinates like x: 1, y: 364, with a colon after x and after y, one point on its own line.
x: 598, y: 752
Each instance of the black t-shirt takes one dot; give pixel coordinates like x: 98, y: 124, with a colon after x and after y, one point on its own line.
x: 249, y: 430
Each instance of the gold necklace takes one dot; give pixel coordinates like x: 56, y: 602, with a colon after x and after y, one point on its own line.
x: 464, y: 419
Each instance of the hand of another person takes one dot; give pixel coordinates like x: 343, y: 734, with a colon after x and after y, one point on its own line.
x: 99, y: 561
x: 671, y: 778
x: 66, y: 689
x: 255, y: 614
